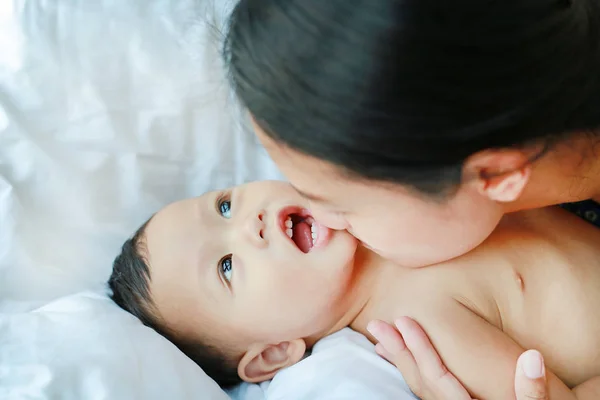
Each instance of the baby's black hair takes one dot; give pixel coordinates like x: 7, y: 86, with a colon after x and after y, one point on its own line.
x: 130, y: 287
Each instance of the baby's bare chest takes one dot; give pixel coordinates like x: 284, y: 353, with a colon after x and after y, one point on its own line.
x: 554, y: 307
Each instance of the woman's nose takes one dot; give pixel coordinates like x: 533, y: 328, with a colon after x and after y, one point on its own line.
x: 254, y: 228
x: 330, y: 219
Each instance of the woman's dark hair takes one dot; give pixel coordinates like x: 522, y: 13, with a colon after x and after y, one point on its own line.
x: 405, y: 90
x: 130, y: 287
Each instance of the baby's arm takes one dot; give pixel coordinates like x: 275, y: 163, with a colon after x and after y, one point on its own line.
x: 480, y: 355
x: 589, y: 389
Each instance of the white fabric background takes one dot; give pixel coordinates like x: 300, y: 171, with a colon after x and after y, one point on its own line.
x: 110, y: 110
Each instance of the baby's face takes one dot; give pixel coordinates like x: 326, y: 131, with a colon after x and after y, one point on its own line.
x: 224, y: 268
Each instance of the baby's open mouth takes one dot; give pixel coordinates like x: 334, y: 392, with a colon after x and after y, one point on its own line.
x: 298, y: 224
x: 300, y: 227
x: 301, y: 230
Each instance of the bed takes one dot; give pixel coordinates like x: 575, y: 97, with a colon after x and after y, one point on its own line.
x: 110, y: 109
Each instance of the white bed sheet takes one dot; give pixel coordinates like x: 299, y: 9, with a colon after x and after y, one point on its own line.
x: 109, y: 110
x: 342, y: 366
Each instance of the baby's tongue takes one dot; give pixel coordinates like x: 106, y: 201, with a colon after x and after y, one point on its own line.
x: 302, y: 236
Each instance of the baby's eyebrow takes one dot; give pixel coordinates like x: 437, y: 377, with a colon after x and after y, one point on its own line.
x: 204, y: 213
x: 203, y: 266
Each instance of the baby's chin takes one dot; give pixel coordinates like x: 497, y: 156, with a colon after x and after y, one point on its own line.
x: 345, y: 247
x: 348, y: 263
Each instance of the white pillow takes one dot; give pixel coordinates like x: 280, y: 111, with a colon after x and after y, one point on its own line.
x: 85, y: 347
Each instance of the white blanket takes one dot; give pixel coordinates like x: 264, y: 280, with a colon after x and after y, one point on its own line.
x: 109, y: 110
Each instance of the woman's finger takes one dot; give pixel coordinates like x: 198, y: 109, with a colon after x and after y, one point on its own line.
x: 530, y: 377
x: 421, y: 348
x: 434, y: 374
x: 382, y: 352
x: 391, y: 347
x: 388, y: 336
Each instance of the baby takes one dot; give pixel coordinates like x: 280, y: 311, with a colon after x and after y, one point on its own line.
x: 245, y: 281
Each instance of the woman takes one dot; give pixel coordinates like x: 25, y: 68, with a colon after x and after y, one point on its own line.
x: 417, y: 124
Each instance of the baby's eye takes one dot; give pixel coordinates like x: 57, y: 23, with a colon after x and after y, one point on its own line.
x: 226, y: 267
x: 224, y: 207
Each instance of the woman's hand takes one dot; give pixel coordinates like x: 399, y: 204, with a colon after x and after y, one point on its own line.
x: 530, y: 377
x: 407, y: 347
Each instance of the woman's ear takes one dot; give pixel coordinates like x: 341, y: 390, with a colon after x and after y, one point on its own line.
x: 262, y: 362
x: 500, y: 175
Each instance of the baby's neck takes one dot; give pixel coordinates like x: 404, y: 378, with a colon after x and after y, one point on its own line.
x: 370, y: 281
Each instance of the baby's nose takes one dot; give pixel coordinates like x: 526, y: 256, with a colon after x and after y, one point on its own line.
x: 255, y: 228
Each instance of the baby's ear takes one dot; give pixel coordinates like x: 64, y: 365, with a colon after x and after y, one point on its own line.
x: 262, y: 362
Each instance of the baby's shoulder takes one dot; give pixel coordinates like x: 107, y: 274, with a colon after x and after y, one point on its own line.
x: 456, y: 288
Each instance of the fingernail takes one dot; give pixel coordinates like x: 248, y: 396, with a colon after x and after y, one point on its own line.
x: 400, y: 324
x: 533, y: 364
x: 372, y: 328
